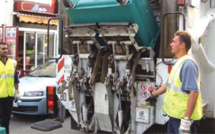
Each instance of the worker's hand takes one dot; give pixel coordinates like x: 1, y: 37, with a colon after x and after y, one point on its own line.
x: 16, y: 97
x: 185, y: 126
x: 151, y: 97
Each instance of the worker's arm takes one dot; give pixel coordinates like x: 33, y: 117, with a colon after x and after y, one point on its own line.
x: 17, y: 86
x: 16, y: 80
x: 193, y: 95
x: 185, y: 124
x: 189, y: 76
x: 160, y: 90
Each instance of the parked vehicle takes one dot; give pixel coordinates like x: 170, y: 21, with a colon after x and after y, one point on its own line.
x: 37, y: 91
x: 114, y: 45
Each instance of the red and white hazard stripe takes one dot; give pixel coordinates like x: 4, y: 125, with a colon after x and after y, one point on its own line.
x: 60, y: 71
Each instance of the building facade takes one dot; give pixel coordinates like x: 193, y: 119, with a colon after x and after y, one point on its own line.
x: 6, y: 10
x: 23, y: 26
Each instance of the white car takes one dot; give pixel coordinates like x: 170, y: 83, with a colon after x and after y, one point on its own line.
x: 34, y: 98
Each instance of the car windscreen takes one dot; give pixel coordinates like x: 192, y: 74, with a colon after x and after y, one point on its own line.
x: 47, y: 69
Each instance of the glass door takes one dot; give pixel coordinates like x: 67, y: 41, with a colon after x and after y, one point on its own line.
x: 29, y: 51
x: 35, y: 49
x: 42, y: 47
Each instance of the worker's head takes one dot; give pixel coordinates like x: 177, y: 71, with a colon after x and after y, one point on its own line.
x: 181, y: 42
x: 3, y: 50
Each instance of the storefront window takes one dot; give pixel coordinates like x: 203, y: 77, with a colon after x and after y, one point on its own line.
x: 52, y: 49
x: 42, y: 47
x: 30, y: 50
x: 41, y: 43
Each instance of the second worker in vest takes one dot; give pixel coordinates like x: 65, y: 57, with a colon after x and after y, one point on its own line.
x: 8, y: 80
x: 182, y: 101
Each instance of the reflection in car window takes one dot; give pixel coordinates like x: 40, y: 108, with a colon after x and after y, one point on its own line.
x: 47, y: 69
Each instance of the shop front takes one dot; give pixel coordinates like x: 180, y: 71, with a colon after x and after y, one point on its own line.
x: 31, y: 19
x: 32, y: 50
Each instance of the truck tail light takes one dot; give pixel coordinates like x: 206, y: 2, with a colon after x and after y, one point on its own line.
x: 50, y: 103
x: 51, y: 100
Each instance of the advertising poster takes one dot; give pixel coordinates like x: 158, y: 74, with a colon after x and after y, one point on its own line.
x: 11, y: 38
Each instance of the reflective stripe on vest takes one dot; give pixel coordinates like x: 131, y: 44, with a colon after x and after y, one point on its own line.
x: 7, y: 78
x: 175, y: 100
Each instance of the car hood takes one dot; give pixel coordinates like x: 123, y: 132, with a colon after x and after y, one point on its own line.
x: 35, y: 84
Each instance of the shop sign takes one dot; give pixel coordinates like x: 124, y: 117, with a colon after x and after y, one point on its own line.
x: 37, y: 8
x: 25, y: 6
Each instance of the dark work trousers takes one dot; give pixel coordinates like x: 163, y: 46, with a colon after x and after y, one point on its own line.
x: 5, y: 112
x: 173, y: 126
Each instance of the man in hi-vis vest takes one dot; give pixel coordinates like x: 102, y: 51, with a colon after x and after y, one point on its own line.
x: 8, y: 80
x: 182, y: 101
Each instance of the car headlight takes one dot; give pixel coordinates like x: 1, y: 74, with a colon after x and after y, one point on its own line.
x: 33, y: 93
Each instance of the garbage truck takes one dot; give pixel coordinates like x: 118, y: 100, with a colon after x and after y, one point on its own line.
x: 120, y: 53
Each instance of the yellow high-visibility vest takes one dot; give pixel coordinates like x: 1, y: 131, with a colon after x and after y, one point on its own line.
x: 7, y: 78
x: 175, y: 100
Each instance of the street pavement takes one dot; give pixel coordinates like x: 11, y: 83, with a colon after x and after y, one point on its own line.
x: 22, y: 125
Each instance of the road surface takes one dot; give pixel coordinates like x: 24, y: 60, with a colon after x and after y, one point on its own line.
x: 22, y: 125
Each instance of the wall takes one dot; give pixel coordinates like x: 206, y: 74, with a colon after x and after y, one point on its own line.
x: 6, y: 10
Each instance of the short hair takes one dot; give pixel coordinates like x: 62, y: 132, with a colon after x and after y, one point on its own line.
x: 2, y: 43
x: 184, y: 37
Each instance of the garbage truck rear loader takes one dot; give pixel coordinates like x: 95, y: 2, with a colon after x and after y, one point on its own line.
x: 119, y: 57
